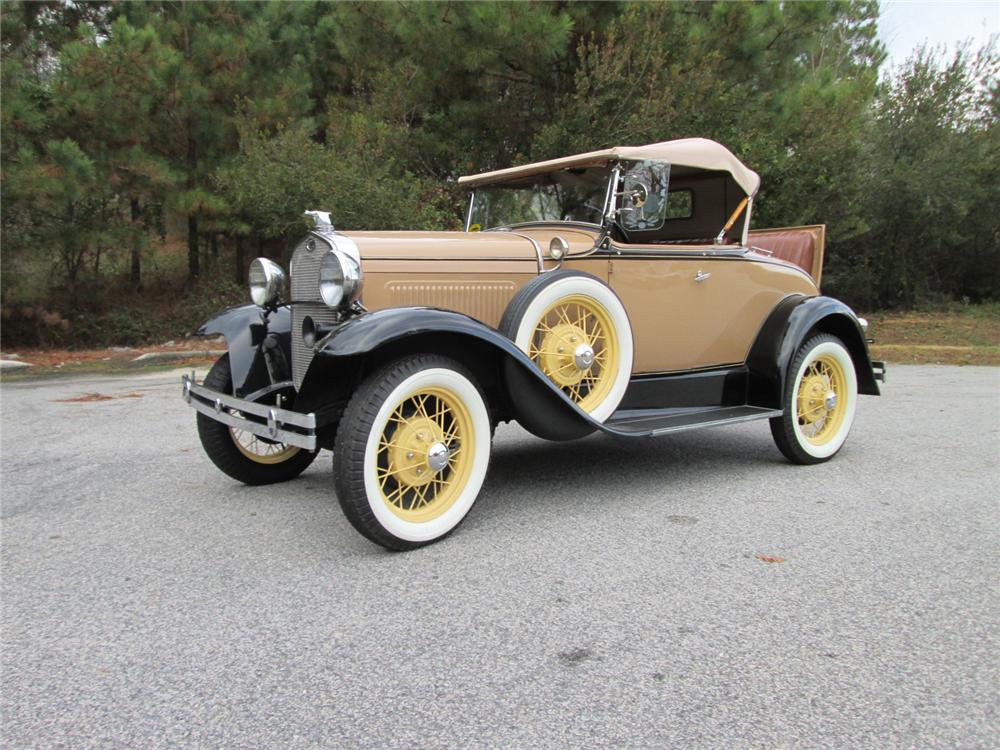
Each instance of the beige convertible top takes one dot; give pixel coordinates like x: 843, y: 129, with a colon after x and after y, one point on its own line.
x: 700, y: 153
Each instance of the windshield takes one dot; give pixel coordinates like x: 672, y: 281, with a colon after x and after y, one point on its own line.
x: 567, y: 195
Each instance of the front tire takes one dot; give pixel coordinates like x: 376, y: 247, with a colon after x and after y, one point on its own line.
x: 242, y: 455
x: 412, y: 451
x: 821, y: 396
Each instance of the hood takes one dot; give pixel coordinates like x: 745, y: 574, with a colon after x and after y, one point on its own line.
x: 516, y: 244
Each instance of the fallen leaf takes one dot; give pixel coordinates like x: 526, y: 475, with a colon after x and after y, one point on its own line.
x: 770, y: 558
x: 85, y: 398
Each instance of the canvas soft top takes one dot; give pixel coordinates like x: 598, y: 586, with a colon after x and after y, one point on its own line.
x: 699, y: 153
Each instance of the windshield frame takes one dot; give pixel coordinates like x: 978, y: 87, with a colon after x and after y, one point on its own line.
x: 607, y: 213
x: 609, y: 216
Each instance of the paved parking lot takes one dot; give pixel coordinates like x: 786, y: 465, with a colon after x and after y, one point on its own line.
x: 602, y: 593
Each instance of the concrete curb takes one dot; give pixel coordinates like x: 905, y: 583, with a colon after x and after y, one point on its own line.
x: 169, y: 356
x: 7, y: 365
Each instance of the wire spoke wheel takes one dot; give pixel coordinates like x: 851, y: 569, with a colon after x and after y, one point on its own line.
x: 424, y: 456
x: 412, y: 451
x: 240, y: 454
x: 575, y: 330
x: 821, y: 403
x: 258, y: 449
x: 575, y: 344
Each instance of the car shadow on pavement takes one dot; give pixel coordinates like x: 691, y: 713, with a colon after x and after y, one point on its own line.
x: 534, y: 471
x: 527, y: 474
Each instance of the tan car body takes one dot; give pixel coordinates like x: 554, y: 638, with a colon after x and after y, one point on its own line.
x: 690, y: 307
x: 402, y: 351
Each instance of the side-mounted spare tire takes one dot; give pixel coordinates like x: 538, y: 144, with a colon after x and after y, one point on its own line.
x: 574, y: 327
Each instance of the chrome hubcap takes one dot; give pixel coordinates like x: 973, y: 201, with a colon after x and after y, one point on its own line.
x: 437, y: 456
x: 583, y: 357
x: 831, y: 400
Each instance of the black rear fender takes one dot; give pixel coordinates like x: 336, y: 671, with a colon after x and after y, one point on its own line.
x: 514, y: 386
x: 792, y: 323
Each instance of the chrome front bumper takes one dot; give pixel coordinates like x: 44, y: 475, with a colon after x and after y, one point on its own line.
x: 279, y: 425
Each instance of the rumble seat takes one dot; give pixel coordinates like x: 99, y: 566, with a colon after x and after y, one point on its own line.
x: 801, y: 246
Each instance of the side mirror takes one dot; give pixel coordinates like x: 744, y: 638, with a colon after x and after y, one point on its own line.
x: 638, y: 194
x: 644, y: 196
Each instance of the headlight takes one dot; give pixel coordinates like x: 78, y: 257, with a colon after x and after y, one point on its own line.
x: 339, y: 279
x: 267, y: 279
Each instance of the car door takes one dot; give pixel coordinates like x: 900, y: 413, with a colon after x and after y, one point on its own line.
x: 695, y: 308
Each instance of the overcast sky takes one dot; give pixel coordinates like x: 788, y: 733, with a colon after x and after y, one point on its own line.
x: 905, y: 24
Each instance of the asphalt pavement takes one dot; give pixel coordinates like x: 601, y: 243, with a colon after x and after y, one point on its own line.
x: 602, y: 593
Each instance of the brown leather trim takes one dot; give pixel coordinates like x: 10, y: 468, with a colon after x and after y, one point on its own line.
x: 801, y: 246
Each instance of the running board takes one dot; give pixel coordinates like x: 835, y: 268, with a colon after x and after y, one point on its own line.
x: 650, y: 422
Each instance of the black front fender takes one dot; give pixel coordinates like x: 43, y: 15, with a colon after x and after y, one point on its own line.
x: 245, y: 328
x: 515, y: 387
x: 786, y: 329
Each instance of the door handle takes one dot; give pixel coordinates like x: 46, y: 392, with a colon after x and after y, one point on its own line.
x: 701, y: 276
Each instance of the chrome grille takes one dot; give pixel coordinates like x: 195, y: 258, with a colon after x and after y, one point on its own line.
x: 306, y: 300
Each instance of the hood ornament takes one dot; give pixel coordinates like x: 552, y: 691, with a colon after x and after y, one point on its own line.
x: 321, y: 221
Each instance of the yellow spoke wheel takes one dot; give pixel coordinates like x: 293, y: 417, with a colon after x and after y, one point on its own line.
x: 576, y: 331
x: 412, y: 451
x: 259, y: 450
x: 575, y: 344
x: 821, y: 402
x: 241, y: 454
x: 425, y: 451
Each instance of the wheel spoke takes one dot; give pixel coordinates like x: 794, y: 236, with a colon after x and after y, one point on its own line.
x: 807, y: 412
x: 390, y: 472
x: 397, y: 494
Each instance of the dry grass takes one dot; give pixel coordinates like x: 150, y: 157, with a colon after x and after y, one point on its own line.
x: 963, y: 336
x: 63, y: 362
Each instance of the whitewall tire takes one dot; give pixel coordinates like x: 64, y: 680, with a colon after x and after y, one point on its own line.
x: 412, y: 451
x: 576, y: 330
x: 819, y: 402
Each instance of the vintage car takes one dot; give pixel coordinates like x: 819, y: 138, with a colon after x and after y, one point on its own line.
x: 618, y: 291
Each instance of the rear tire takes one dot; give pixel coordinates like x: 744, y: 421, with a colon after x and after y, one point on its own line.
x: 412, y: 451
x: 242, y: 456
x: 820, y: 398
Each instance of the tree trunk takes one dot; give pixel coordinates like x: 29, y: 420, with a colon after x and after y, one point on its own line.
x: 70, y: 255
x: 213, y: 243
x: 136, y: 274
x: 193, y: 265
x: 194, y: 270
x: 240, y: 260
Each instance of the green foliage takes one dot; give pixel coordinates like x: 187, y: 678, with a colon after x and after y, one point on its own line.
x: 931, y: 185
x: 128, y: 125
x: 274, y: 178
